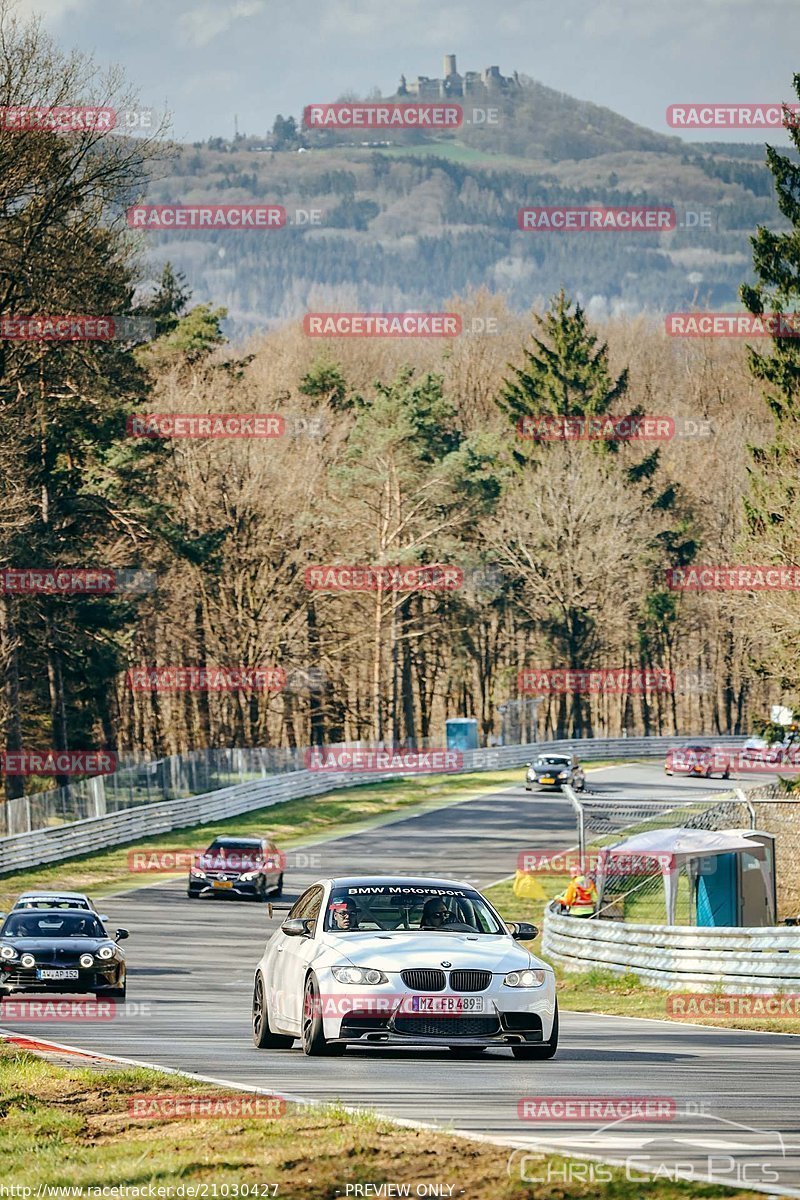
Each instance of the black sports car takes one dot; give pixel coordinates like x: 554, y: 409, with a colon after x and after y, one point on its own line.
x: 60, y: 950
x: 240, y: 866
x: 553, y: 771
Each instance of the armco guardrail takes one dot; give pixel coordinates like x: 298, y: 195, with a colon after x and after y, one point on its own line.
x: 33, y: 847
x: 678, y: 956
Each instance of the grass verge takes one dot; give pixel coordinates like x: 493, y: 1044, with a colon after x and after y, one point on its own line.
x: 73, y: 1127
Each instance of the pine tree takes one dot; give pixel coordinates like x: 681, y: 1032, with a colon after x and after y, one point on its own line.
x: 772, y: 504
x: 565, y: 373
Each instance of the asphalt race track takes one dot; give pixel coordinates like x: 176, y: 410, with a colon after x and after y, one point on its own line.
x: 191, y: 967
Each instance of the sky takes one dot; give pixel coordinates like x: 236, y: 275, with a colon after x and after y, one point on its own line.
x: 208, y: 62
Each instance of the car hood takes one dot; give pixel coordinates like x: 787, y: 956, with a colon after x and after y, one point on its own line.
x: 400, y: 951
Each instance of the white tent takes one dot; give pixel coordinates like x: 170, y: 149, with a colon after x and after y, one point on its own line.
x: 673, y: 849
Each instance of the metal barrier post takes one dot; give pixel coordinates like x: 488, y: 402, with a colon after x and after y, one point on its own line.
x: 742, y: 796
x: 579, y: 813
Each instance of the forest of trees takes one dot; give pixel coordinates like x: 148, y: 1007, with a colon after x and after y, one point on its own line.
x: 394, y: 231
x: 395, y: 452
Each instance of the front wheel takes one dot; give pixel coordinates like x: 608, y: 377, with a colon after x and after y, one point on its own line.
x: 313, y: 1035
x: 263, y: 1037
x: 544, y: 1049
x: 278, y: 889
x: 111, y: 994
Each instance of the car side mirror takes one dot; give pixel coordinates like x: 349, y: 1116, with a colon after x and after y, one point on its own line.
x: 121, y: 935
x: 522, y: 931
x: 530, y: 764
x: 297, y: 926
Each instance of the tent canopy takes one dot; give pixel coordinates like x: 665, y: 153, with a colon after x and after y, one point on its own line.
x: 684, y: 844
x: 675, y: 848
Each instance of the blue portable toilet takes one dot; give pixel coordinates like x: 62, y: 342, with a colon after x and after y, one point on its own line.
x: 738, y: 889
x: 462, y: 733
x: 716, y: 895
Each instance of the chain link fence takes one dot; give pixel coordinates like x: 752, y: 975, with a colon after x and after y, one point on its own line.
x: 634, y: 884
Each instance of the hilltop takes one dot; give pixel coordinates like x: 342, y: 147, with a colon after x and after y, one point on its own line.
x: 407, y: 220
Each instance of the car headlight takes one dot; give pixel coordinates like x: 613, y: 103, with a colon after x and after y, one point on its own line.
x: 86, y: 960
x: 358, y: 975
x: 197, y: 873
x: 249, y: 876
x: 525, y: 979
x: 105, y: 952
x: 28, y: 960
x: 7, y: 952
x: 563, y: 774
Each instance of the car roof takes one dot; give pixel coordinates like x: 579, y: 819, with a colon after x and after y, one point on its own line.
x: 55, y: 912
x: 49, y: 895
x: 237, y: 841
x: 397, y: 880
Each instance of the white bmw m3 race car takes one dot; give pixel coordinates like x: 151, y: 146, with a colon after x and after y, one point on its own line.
x: 400, y: 961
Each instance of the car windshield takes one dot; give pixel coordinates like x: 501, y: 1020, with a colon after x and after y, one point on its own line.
x: 53, y: 902
x: 552, y: 761
x: 234, y: 855
x: 51, y: 925
x: 409, y: 908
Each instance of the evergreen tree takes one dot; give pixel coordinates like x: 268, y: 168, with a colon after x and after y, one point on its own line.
x: 565, y: 372
x: 772, y: 503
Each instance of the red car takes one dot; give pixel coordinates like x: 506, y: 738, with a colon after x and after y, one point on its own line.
x: 704, y: 761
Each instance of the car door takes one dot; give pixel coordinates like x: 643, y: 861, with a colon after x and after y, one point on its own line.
x: 282, y: 968
x: 298, y: 954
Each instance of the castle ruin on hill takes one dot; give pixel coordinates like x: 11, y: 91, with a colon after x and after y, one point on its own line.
x: 488, y: 82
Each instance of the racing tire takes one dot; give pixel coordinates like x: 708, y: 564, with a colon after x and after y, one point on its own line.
x: 278, y: 889
x: 193, y: 895
x: 111, y: 994
x: 263, y: 1037
x: 544, y: 1049
x: 312, y: 1035
x: 726, y: 774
